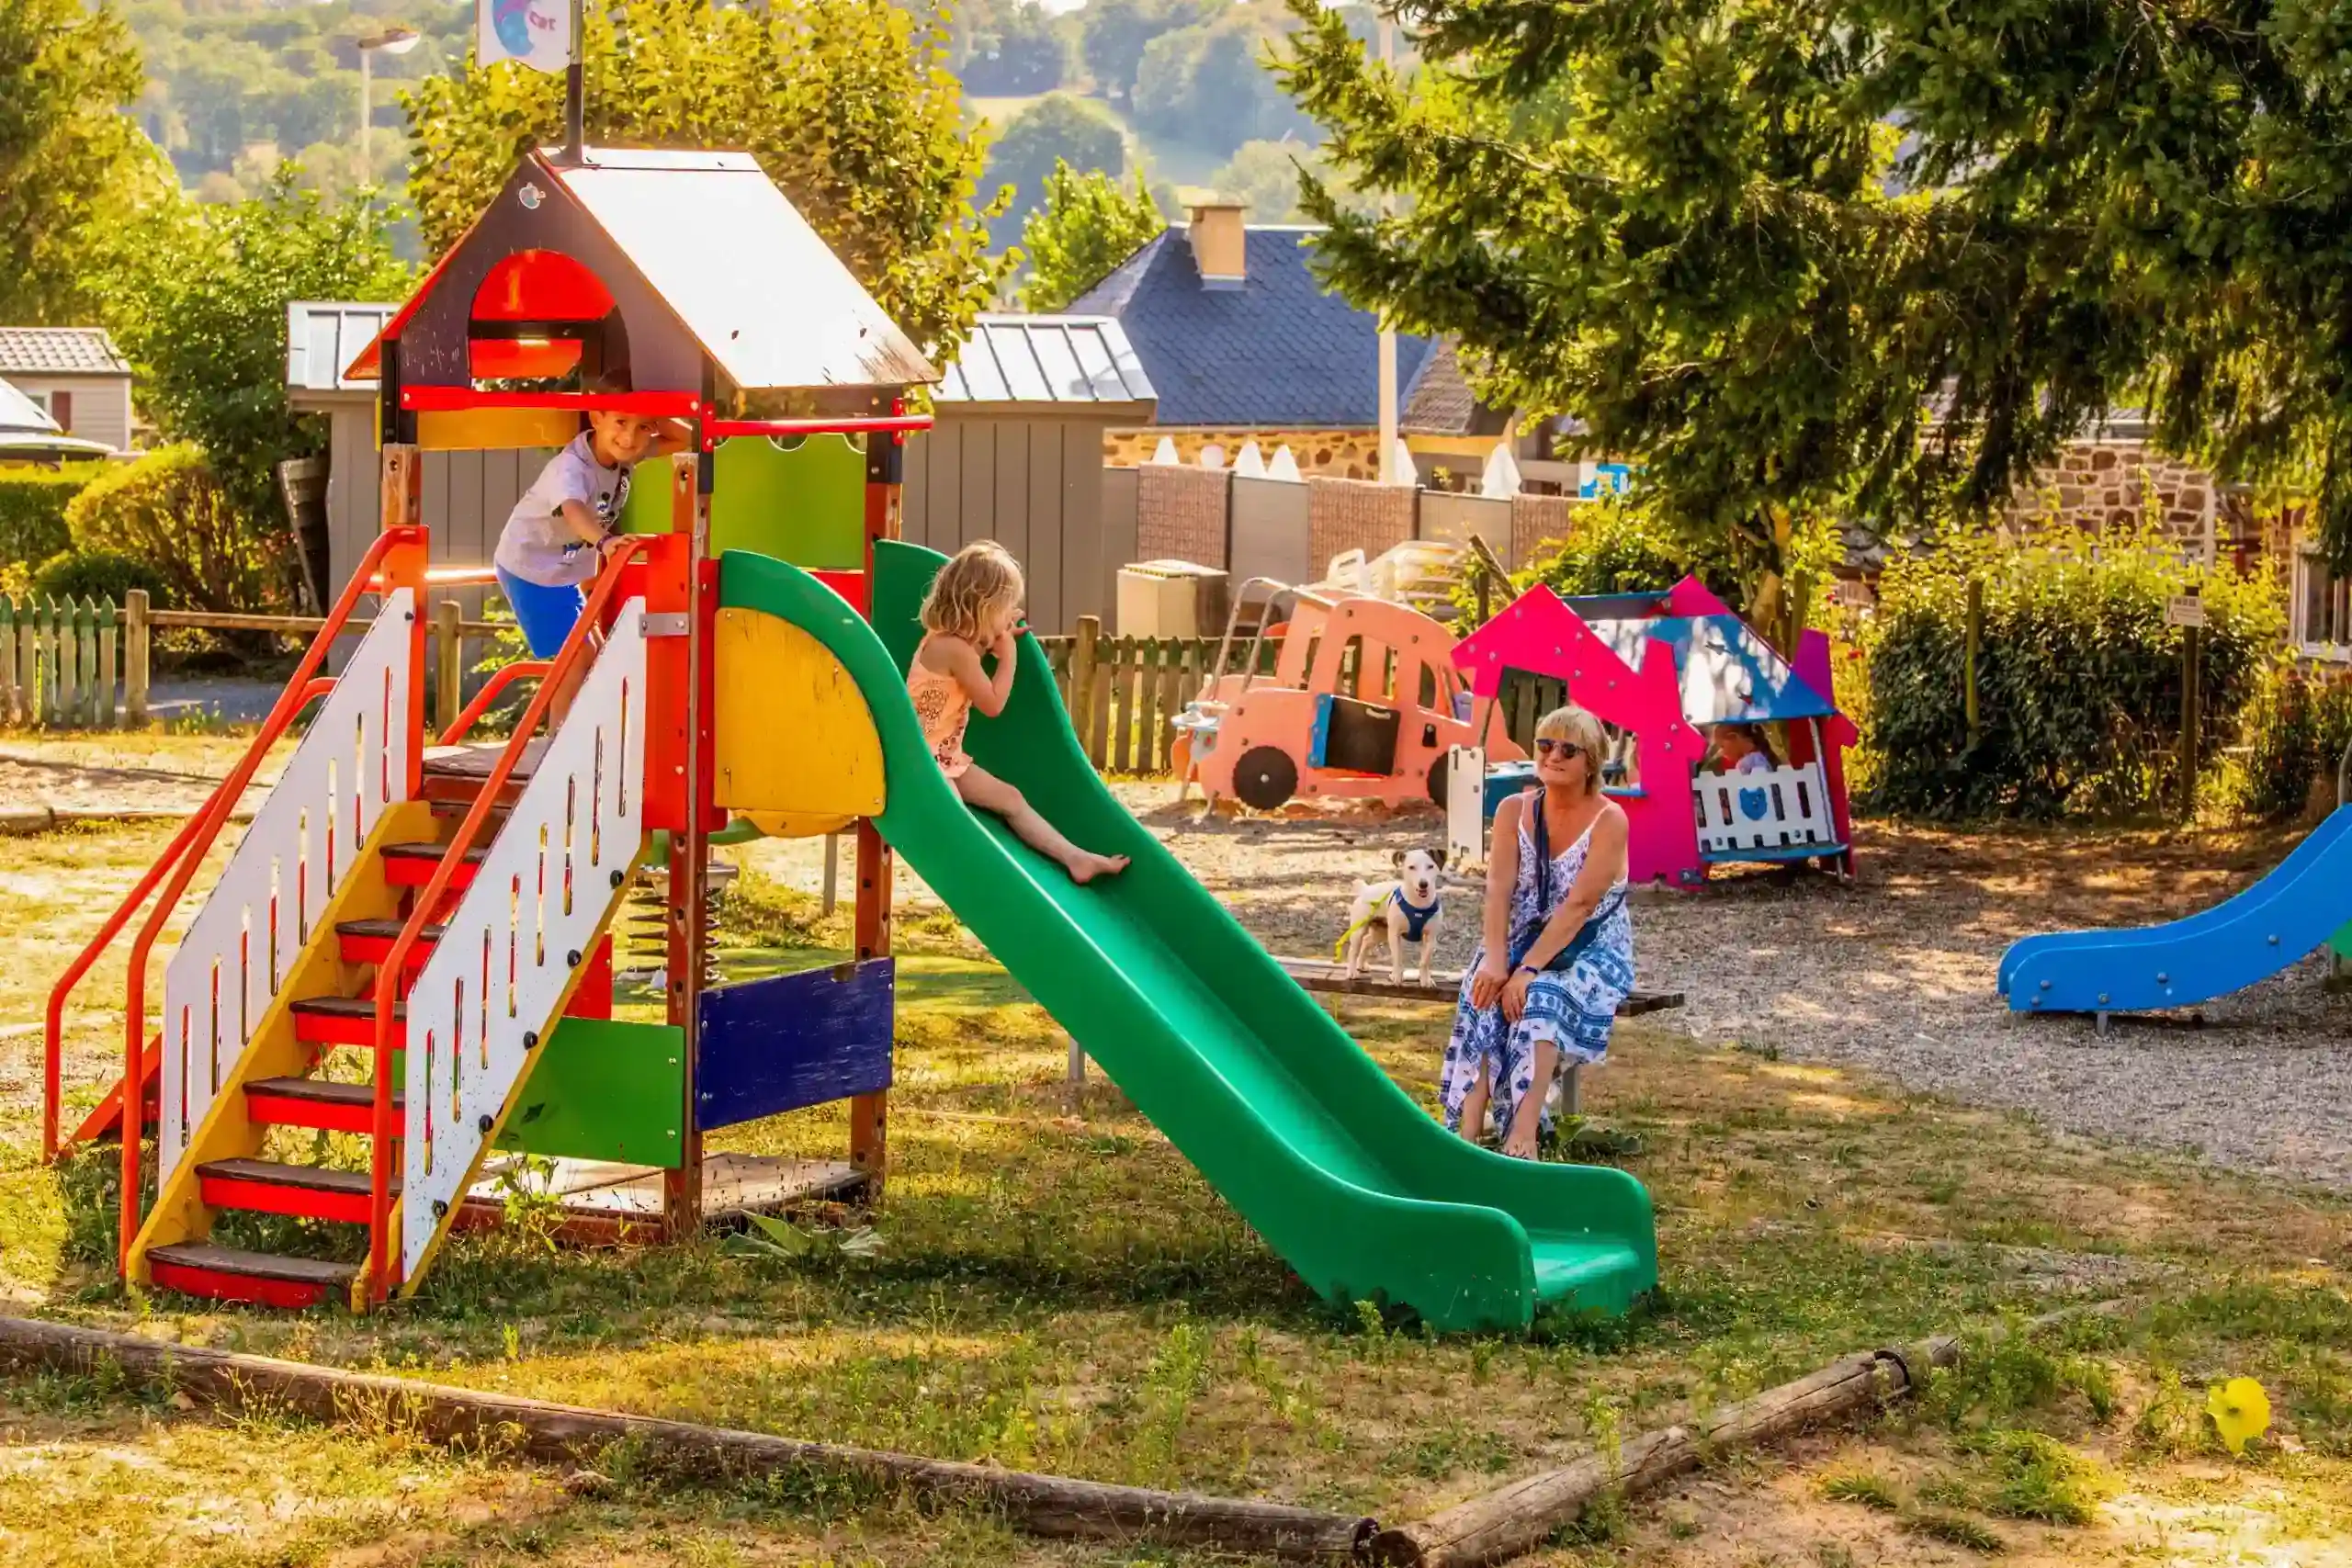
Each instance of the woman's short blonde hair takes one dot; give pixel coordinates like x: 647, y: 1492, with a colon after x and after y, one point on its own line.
x: 980, y: 578
x: 1580, y: 729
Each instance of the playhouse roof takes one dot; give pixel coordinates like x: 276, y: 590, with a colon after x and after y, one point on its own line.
x: 766, y: 300
x: 1729, y: 674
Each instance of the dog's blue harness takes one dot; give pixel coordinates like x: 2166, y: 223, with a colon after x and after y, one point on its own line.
x: 1417, y: 916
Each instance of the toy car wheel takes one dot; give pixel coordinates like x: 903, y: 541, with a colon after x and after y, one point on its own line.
x: 1265, y: 777
x: 1437, y: 781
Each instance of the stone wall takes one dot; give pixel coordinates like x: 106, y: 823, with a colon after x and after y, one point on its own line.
x: 2114, y: 484
x: 1326, y: 454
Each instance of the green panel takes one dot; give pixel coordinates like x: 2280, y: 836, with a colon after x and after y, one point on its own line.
x: 1341, y: 1171
x: 805, y: 504
x: 604, y: 1090
x: 2341, y: 943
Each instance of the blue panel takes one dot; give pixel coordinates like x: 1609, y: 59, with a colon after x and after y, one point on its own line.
x: 1320, y: 741
x: 794, y: 1041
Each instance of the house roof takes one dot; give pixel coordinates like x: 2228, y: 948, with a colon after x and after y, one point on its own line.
x: 758, y: 292
x: 324, y: 335
x: 1276, y: 353
x: 1049, y: 361
x: 60, y: 351
x: 1438, y: 400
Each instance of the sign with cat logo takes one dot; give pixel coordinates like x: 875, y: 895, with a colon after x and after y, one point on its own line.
x: 2184, y: 610
x: 537, y: 32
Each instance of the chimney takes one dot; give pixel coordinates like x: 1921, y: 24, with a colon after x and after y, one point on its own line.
x: 1220, y: 249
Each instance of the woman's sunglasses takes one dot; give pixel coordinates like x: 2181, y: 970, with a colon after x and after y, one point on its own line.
x: 1565, y: 749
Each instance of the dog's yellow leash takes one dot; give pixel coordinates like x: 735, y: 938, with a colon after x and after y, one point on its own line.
x: 1379, y: 913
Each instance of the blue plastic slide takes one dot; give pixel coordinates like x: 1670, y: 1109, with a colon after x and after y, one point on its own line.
x: 2301, y: 902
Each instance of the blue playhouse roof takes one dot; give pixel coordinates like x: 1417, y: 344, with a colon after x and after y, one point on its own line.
x: 1730, y: 675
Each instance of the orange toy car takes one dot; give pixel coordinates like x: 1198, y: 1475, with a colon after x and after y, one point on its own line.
x: 1364, y: 704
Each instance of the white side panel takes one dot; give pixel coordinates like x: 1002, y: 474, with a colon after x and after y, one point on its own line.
x: 1773, y: 808
x: 351, y: 765
x: 552, y: 873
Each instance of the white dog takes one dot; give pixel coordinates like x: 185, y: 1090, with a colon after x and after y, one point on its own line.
x: 1405, y: 908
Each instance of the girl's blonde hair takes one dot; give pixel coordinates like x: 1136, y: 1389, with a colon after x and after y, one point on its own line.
x: 1579, y: 728
x: 982, y: 577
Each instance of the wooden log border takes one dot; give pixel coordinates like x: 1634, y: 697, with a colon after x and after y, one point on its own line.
x: 1041, y: 1505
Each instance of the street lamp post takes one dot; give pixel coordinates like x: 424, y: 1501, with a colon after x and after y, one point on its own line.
x: 391, y: 40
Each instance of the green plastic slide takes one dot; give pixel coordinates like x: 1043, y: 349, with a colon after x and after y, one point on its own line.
x: 1354, y: 1184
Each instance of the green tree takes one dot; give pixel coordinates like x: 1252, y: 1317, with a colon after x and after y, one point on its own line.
x: 71, y: 163
x: 1264, y: 177
x: 846, y: 104
x: 1089, y: 224
x: 1210, y: 84
x: 1059, y: 128
x: 1681, y: 223
x: 199, y: 300
x: 1014, y: 49
x: 1112, y: 35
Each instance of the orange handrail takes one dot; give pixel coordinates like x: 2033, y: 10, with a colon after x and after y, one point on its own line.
x: 297, y: 694
x: 426, y: 911
x: 52, y: 1087
x: 505, y: 677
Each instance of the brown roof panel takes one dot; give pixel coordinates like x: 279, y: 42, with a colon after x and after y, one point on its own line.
x: 765, y: 297
x: 60, y: 351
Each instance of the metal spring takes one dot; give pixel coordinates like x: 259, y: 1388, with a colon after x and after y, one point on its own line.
x: 645, y: 944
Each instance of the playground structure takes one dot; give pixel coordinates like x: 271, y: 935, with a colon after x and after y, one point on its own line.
x: 1667, y: 669
x: 1364, y: 704
x: 408, y: 957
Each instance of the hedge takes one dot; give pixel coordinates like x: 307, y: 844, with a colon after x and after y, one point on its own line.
x: 2078, y: 678
x: 168, y: 511
x: 32, y: 510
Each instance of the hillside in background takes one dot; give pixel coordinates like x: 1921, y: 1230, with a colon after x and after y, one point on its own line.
x: 1176, y: 87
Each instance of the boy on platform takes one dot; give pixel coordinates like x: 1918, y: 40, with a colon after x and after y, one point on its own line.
x: 561, y: 531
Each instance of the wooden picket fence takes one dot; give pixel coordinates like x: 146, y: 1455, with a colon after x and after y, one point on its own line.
x: 65, y: 665
x: 58, y: 661
x: 1124, y: 694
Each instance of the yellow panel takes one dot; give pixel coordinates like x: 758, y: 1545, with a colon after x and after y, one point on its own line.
x: 794, y: 733
x: 797, y: 825
x: 1453, y: 445
x: 488, y: 430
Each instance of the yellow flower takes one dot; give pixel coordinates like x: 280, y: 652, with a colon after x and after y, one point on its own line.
x: 2240, y: 1410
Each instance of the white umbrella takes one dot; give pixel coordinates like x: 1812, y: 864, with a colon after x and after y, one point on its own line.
x: 1250, y: 464
x: 1165, y: 451
x: 1284, y: 467
x: 1405, y: 473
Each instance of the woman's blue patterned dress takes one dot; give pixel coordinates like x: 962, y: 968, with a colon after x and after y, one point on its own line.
x: 1573, y: 1008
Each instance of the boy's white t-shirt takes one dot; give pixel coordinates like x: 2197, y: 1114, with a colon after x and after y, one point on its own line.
x: 534, y: 545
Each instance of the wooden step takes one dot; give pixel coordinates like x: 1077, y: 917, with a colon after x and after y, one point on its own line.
x: 264, y: 1278
x: 314, y: 1102
x: 413, y: 865
x: 345, y: 1021
x: 370, y: 942
x: 454, y: 775
x: 269, y: 1186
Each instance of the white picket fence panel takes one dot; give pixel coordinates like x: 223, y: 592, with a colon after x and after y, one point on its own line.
x: 351, y: 765
x: 552, y: 873
x: 1773, y: 808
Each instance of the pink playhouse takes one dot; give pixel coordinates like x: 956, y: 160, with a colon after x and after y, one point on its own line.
x: 1668, y: 669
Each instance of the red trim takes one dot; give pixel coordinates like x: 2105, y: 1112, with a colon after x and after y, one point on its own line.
x: 225, y: 1287
x: 375, y: 949
x: 656, y: 405
x: 593, y: 997
x: 714, y: 430
x: 325, y: 1115
x: 336, y: 1029
x: 277, y: 1198
x: 416, y: 871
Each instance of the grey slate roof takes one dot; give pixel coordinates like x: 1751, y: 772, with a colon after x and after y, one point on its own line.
x: 1277, y: 353
x: 1048, y: 360
x: 324, y: 335
x: 60, y: 351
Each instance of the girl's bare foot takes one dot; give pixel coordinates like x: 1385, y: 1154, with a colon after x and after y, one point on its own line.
x: 1086, y: 867
x: 1520, y: 1144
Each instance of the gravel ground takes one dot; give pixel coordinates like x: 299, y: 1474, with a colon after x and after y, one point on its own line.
x: 1894, y: 974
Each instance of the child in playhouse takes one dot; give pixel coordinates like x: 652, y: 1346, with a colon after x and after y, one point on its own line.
x: 1743, y: 749
x: 974, y: 607
x: 1557, y: 958
x: 561, y: 531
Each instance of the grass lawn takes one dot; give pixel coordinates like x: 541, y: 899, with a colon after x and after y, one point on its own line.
x: 1061, y: 1291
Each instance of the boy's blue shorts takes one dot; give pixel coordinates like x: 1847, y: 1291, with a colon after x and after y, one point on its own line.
x: 546, y: 615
